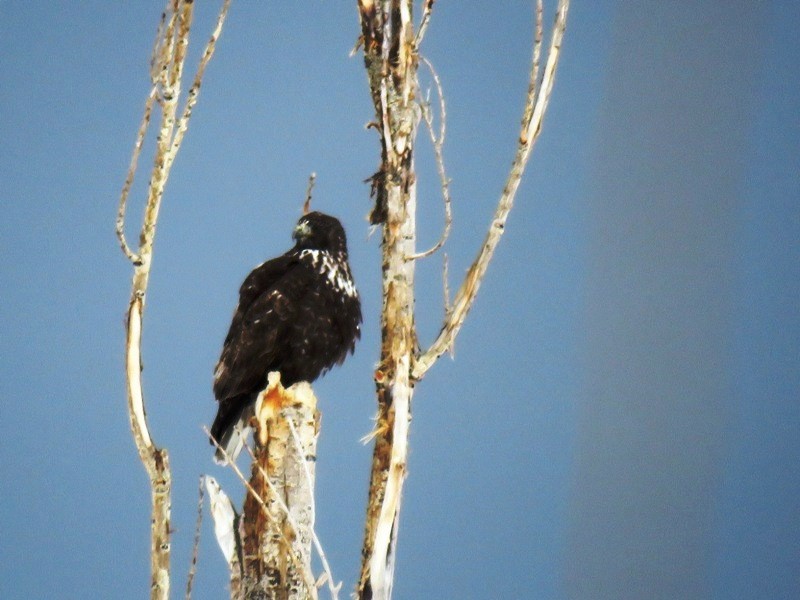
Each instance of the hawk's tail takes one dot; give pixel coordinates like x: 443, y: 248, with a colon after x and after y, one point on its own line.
x: 232, y: 426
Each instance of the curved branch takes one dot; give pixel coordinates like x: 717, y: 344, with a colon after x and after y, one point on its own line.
x: 126, y: 187
x: 438, y: 143
x: 535, y: 108
x: 169, y: 53
x: 155, y: 460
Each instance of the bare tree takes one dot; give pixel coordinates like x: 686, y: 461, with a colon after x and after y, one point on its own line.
x: 271, y: 552
x: 268, y: 548
x: 391, y: 58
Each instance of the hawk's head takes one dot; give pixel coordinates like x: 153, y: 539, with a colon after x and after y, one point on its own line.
x: 318, y: 231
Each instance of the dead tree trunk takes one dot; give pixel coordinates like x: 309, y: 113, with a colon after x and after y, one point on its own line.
x: 272, y: 557
x: 268, y: 547
x: 278, y: 515
x: 391, y: 64
x: 391, y: 58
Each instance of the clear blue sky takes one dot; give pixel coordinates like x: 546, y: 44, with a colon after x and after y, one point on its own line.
x: 622, y: 418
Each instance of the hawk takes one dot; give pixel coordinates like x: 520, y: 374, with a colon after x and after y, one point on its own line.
x: 298, y: 314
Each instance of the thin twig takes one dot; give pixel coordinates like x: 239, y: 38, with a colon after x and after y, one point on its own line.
x: 194, y: 91
x: 155, y: 54
x: 298, y: 562
x: 446, y: 284
x: 196, y: 544
x: 334, y: 589
x: 533, y: 116
x: 156, y: 67
x: 180, y: 45
x: 448, y: 308
x: 310, y: 188
x: 423, y: 25
x: 537, y: 44
x: 169, y: 83
x: 438, y: 143
x: 126, y: 187
x: 165, y: 51
x: 440, y: 93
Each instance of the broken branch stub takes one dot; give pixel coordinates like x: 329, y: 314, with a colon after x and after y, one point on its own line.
x: 278, y: 514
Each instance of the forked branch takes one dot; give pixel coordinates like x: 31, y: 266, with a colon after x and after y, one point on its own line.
x: 533, y: 116
x: 166, y: 68
x: 391, y: 56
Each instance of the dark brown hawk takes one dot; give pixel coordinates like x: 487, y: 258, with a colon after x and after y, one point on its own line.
x: 298, y: 314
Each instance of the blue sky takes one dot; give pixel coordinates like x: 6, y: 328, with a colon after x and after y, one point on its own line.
x: 622, y: 412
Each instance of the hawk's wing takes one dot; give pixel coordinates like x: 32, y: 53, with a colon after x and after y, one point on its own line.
x: 267, y: 305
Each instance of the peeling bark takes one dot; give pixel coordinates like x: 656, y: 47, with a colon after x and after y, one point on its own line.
x: 391, y: 59
x: 278, y: 515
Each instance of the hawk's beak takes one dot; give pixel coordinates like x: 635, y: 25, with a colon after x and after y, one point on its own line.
x: 302, y: 231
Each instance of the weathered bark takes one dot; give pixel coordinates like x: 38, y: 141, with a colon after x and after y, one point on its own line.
x: 169, y: 54
x: 154, y: 459
x: 278, y: 515
x: 226, y: 530
x: 390, y: 60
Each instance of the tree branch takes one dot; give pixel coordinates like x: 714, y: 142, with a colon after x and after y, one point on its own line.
x: 535, y: 107
x: 427, y: 9
x: 438, y: 143
x: 226, y: 530
x: 169, y: 53
x: 390, y: 61
x: 194, y: 91
x: 126, y: 188
x: 196, y: 543
x: 155, y: 460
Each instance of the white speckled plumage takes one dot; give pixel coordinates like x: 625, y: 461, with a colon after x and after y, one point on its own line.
x: 298, y: 314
